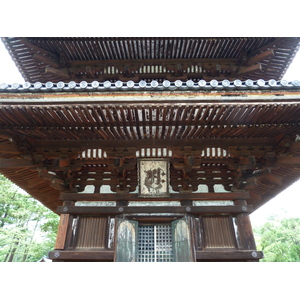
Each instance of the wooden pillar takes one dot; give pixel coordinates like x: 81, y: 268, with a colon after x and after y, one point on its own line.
x: 64, y: 228
x: 245, y: 233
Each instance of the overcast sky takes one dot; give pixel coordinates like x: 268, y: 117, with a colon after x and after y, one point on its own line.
x: 285, y: 204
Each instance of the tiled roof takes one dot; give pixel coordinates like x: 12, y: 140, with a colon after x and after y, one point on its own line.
x: 151, y: 85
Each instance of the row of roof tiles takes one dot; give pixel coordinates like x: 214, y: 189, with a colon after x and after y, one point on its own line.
x: 153, y: 85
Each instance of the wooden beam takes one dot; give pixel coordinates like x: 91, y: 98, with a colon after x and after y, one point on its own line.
x: 146, y: 143
x: 113, y: 210
x: 10, y: 163
x: 228, y: 255
x: 101, y: 255
x: 9, y: 149
x: 136, y: 63
x: 108, y: 255
x: 46, y: 60
x: 259, y: 57
x: 256, y: 67
x: 288, y: 160
x: 294, y: 148
x: 58, y: 72
x: 129, y: 197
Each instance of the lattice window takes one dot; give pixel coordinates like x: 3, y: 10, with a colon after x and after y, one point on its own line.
x: 155, y: 243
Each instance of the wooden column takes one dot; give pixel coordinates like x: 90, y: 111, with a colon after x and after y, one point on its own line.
x: 245, y: 233
x: 64, y: 228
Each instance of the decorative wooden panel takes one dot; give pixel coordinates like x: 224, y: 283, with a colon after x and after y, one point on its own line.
x: 92, y: 232
x: 219, y: 232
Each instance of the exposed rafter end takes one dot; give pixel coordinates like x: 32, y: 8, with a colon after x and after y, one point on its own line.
x: 259, y: 57
x: 256, y: 67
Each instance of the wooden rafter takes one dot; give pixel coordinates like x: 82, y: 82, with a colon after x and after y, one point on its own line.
x: 37, y: 49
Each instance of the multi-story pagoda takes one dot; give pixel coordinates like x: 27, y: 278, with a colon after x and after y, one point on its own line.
x: 152, y: 149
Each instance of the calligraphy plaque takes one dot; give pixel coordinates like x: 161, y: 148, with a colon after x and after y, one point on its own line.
x: 153, y: 178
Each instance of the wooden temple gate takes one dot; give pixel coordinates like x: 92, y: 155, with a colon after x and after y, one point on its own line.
x: 150, y: 149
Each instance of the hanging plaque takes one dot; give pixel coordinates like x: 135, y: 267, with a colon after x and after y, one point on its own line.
x: 153, y: 178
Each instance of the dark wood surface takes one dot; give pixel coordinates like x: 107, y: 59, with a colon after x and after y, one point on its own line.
x: 200, y: 255
x: 111, y: 210
x: 174, y: 197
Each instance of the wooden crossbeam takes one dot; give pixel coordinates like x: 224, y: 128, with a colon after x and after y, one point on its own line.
x: 113, y: 210
x: 229, y: 255
x: 10, y: 163
x: 108, y: 255
x: 146, y: 143
x: 176, y: 197
x: 104, y: 255
x: 9, y: 149
x: 136, y: 63
x: 288, y: 160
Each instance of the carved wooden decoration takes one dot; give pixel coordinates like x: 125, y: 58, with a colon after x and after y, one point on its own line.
x: 153, y: 178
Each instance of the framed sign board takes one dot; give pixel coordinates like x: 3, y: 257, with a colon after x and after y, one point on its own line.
x: 153, y: 178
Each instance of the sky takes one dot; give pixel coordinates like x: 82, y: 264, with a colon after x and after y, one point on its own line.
x: 286, y: 204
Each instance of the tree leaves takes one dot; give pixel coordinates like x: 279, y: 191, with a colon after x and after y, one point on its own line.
x: 279, y: 240
x: 27, y: 228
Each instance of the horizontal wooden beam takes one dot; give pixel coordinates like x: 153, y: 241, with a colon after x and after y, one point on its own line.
x: 229, y: 255
x: 101, y: 144
x: 113, y: 210
x: 108, y: 255
x: 288, y: 160
x: 9, y: 149
x: 102, y: 255
x: 155, y: 62
x: 173, y: 197
x: 294, y: 148
x: 6, y: 163
x: 58, y: 72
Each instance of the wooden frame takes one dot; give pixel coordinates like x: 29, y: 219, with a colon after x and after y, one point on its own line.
x: 153, y: 178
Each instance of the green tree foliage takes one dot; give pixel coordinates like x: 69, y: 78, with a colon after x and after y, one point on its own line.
x: 27, y: 228
x: 279, y: 240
